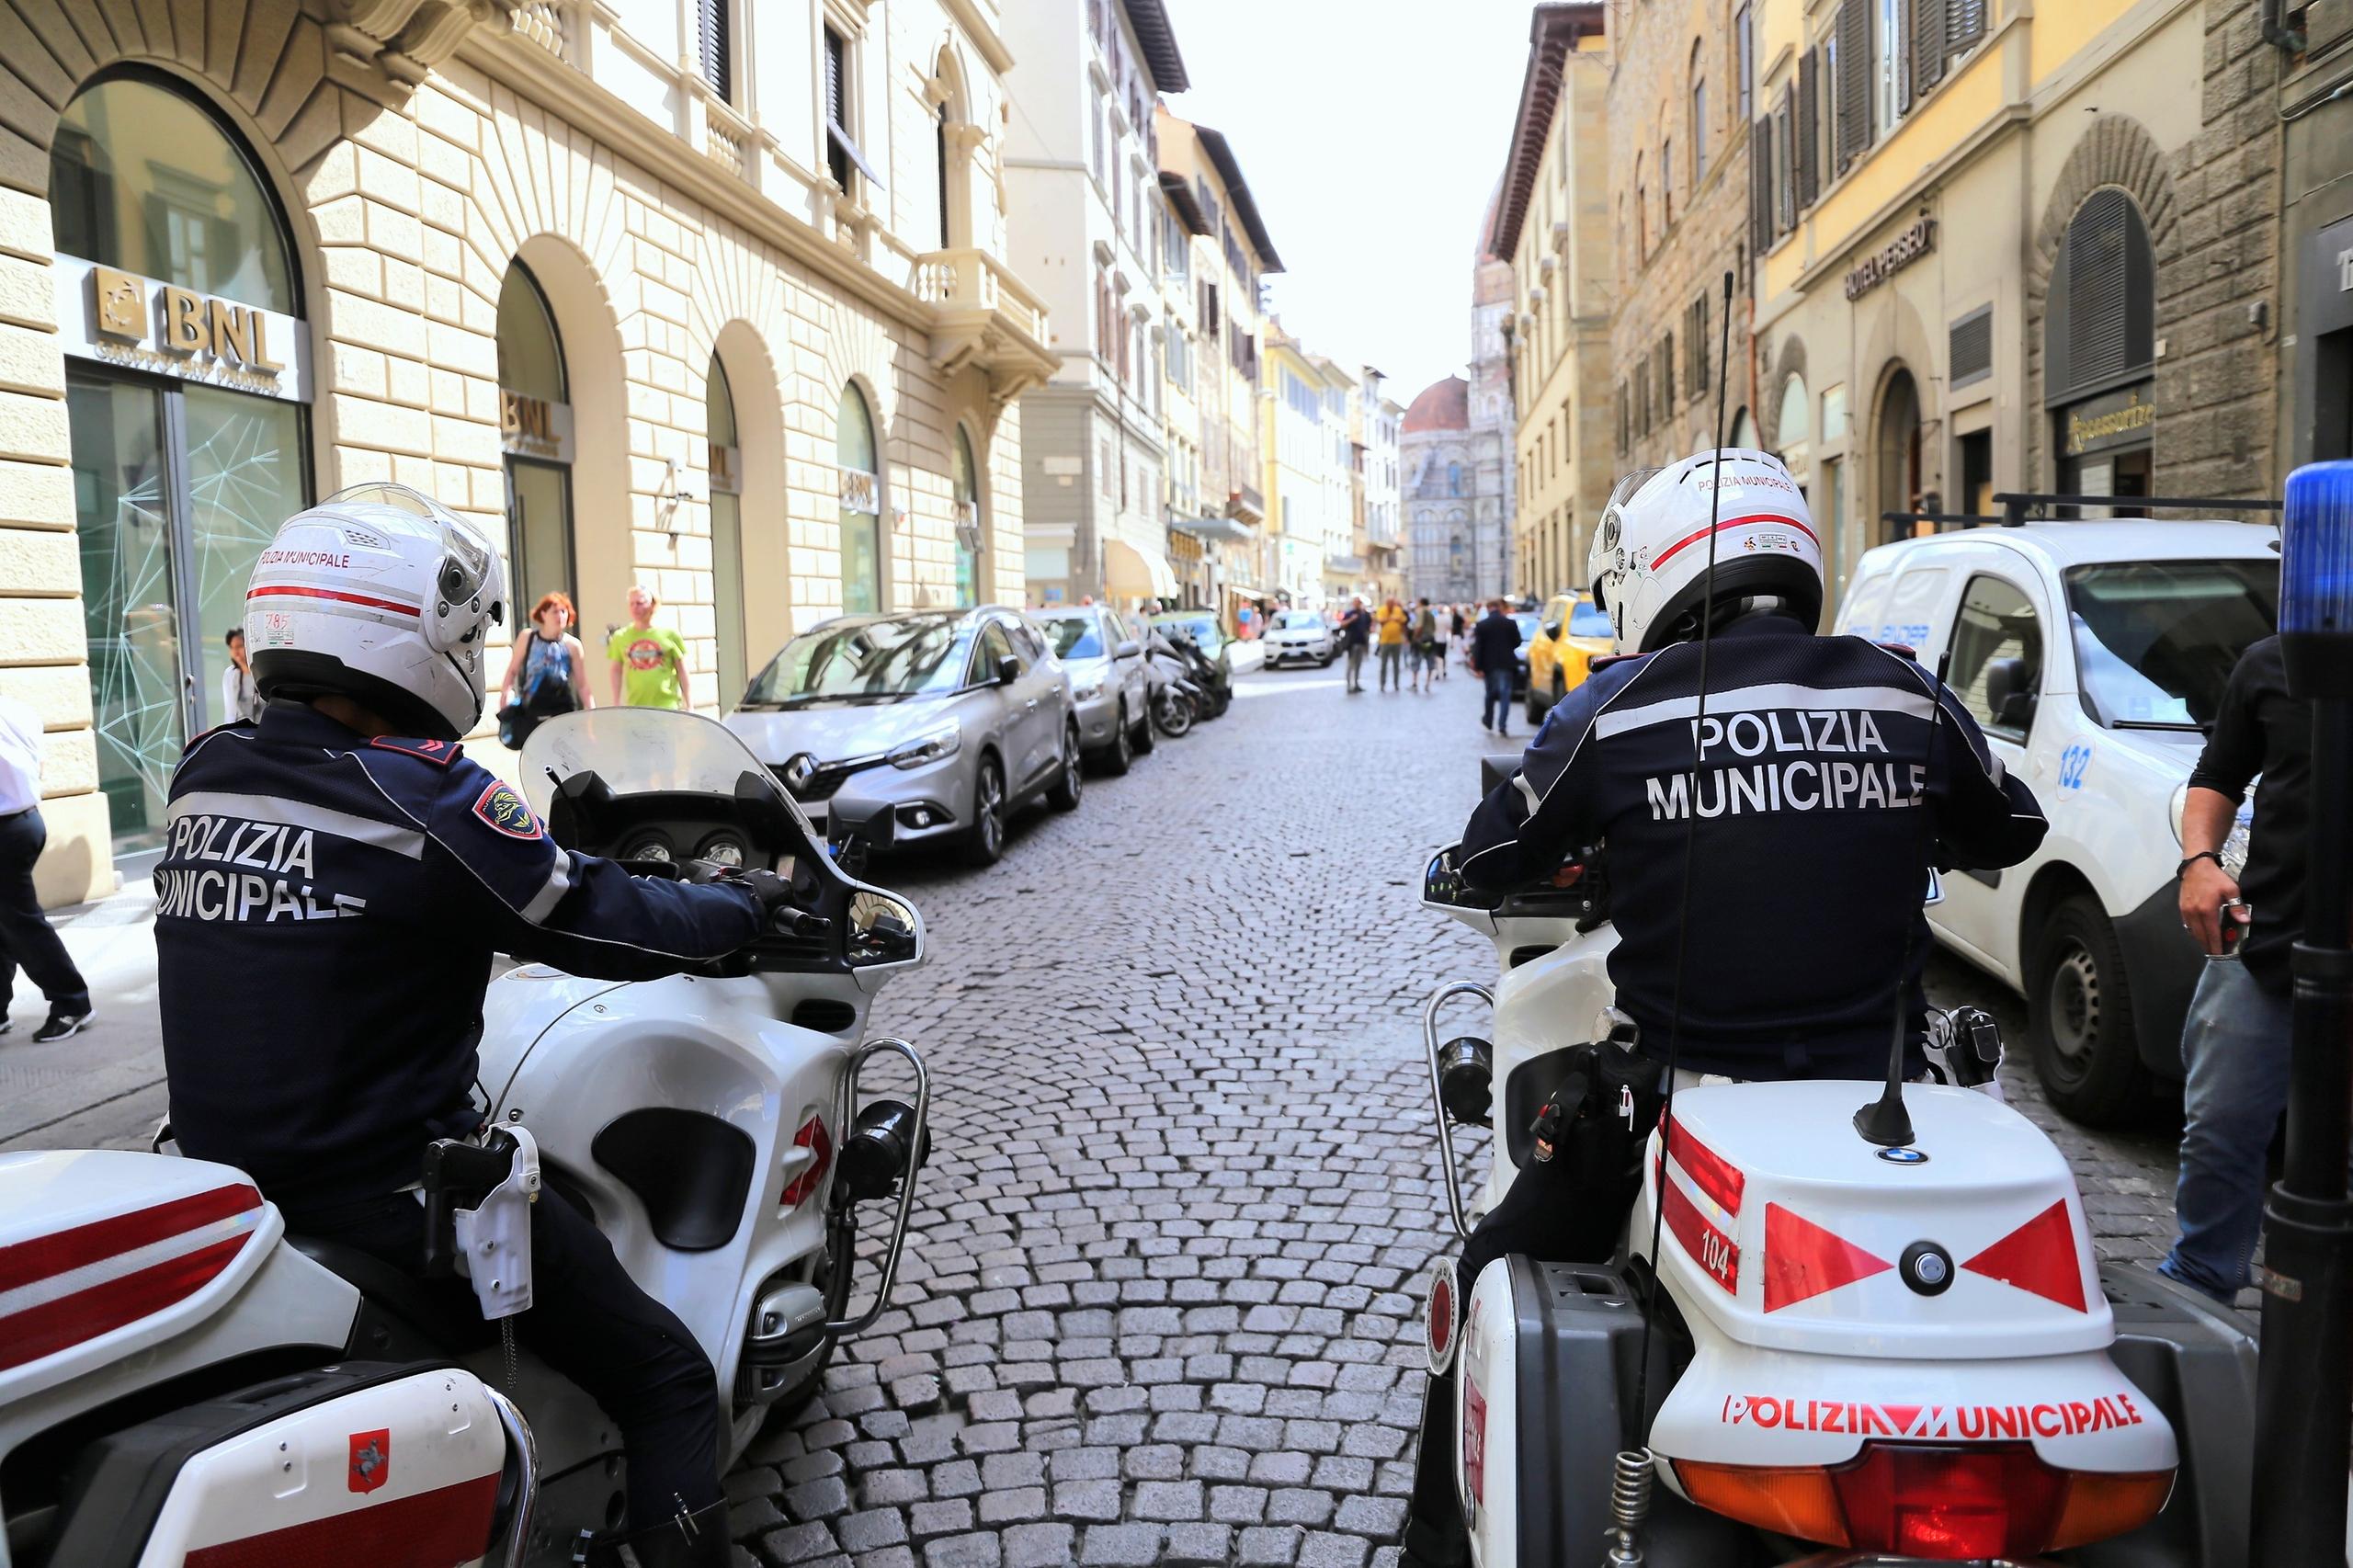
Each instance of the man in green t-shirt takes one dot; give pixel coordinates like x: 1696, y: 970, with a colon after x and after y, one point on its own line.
x: 649, y: 661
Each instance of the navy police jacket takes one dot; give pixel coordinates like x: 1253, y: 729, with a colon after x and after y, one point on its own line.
x: 327, y: 910
x: 1811, y: 856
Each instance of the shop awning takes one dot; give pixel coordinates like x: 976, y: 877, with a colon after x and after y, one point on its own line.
x: 1215, y: 530
x: 1130, y: 571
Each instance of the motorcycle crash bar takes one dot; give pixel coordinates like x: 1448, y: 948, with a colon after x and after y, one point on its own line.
x: 1432, y: 1050
x: 880, y: 1132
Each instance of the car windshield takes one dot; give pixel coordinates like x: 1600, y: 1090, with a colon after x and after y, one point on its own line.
x: 1201, y: 629
x: 1589, y: 619
x: 1073, y: 636
x: 1528, y: 622
x: 1298, y: 621
x: 2155, y: 639
x: 871, y: 661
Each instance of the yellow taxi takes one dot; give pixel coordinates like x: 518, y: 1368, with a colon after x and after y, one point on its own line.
x: 1571, y: 633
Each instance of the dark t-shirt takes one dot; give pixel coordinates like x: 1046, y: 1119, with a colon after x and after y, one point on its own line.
x: 2263, y: 730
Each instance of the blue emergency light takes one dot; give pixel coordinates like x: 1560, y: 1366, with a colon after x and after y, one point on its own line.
x: 2316, y: 580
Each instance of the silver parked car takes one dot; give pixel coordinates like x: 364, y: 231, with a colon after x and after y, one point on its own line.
x: 1105, y: 659
x: 948, y: 720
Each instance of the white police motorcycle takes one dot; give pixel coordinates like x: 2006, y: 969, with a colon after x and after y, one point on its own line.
x: 1861, y: 1355
x: 184, y: 1382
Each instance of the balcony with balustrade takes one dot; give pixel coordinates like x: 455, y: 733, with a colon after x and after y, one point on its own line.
x: 983, y: 318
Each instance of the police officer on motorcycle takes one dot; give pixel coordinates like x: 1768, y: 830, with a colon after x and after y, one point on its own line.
x: 335, y: 880
x: 1799, y: 828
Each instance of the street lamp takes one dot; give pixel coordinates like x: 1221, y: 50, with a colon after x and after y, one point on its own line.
x: 2303, y: 1421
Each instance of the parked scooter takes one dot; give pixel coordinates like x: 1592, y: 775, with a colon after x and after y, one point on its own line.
x: 182, y: 1381
x: 1904, y: 1354
x: 1216, y: 689
x: 1175, y: 698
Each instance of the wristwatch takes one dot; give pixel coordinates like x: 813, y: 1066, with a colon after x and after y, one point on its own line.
x: 2189, y: 860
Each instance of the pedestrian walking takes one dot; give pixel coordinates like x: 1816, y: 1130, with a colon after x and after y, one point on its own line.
x: 2235, y: 1042
x: 239, y: 698
x: 1241, y: 618
x: 27, y: 939
x: 1356, y: 632
x: 1427, y: 651
x: 1393, y: 622
x: 1493, y: 642
x: 650, y: 661
x: 1454, y: 644
x: 547, y: 673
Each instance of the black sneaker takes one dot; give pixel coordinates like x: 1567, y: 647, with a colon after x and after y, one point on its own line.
x: 62, y: 1025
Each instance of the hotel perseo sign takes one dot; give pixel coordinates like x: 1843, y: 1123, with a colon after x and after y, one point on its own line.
x: 1891, y: 258
x: 122, y: 318
x: 534, y: 427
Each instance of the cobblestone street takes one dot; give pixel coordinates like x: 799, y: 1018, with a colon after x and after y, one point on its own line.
x: 1161, y: 1302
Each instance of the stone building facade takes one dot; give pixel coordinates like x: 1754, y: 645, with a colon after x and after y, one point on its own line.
x: 1553, y: 223
x: 2310, y: 60
x: 327, y: 250
x: 1682, y: 87
x: 1997, y: 254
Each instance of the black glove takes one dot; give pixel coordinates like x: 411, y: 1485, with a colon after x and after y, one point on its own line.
x: 765, y: 886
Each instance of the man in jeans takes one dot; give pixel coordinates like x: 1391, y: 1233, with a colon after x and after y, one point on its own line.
x: 26, y: 938
x: 2235, y: 1042
x: 1356, y: 633
x: 1495, y: 642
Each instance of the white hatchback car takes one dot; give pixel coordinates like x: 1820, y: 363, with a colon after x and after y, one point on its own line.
x: 2092, y: 653
x: 1301, y: 636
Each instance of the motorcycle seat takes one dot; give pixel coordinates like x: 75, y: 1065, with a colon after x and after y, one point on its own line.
x: 443, y: 1311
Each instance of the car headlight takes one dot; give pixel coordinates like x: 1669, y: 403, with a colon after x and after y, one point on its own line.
x: 1087, y: 693
x: 929, y: 746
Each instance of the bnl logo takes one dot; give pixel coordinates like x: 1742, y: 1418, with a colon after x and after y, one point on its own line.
x: 2072, y: 763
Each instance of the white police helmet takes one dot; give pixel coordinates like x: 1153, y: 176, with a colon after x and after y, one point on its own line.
x: 1649, y: 558
x: 385, y: 595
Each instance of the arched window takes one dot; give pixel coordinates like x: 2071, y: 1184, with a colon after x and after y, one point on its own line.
x: 1641, y: 214
x: 726, y: 530
x: 1454, y: 479
x: 1699, y: 117
x: 535, y: 423
x: 953, y: 167
x: 861, y: 515
x: 2101, y: 327
x: 970, y: 531
x: 1793, y: 424
x: 177, y: 249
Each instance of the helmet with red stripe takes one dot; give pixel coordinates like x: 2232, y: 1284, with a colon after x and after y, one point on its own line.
x: 382, y: 594
x: 1649, y: 558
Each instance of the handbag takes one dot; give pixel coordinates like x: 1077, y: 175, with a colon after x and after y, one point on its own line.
x: 515, y: 726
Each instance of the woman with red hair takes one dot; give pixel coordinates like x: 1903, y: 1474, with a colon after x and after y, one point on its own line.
x: 547, y: 673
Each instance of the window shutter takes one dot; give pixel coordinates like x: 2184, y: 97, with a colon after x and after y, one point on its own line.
x: 1699, y: 344
x: 1785, y: 204
x: 833, y: 76
x: 1854, y: 80
x: 1760, y: 186
x: 712, y: 47
x: 1964, y: 23
x: 1666, y: 366
x: 2102, y: 322
x: 1970, y: 355
x: 1809, y: 145
x: 1927, y: 44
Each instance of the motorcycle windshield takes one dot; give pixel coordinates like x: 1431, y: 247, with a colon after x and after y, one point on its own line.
x: 639, y: 751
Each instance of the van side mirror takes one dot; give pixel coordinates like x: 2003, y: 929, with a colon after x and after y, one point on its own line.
x: 1008, y: 670
x: 2009, y: 694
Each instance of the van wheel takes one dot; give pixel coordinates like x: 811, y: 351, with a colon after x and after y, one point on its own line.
x: 2079, y: 1016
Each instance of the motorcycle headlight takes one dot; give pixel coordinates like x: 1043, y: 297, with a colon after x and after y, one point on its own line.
x: 929, y: 746
x: 2174, y: 810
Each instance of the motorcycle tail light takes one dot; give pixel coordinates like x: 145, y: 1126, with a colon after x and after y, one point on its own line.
x: 1943, y: 1504
x: 812, y: 1137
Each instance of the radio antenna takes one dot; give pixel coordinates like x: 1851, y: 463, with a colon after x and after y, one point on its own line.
x: 1885, y: 1121
x: 1690, y: 855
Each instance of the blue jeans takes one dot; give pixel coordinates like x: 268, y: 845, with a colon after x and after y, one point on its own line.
x: 1498, y: 712
x: 2235, y: 1043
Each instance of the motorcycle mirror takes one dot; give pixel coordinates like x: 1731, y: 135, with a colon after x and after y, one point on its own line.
x: 1129, y: 650
x: 576, y: 811
x: 756, y: 801
x: 881, y: 930
x: 1008, y: 670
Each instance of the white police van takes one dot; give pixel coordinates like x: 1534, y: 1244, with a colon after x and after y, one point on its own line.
x: 2091, y: 652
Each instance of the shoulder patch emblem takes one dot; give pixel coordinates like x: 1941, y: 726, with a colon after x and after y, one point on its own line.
x: 503, y: 809
x: 439, y: 753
